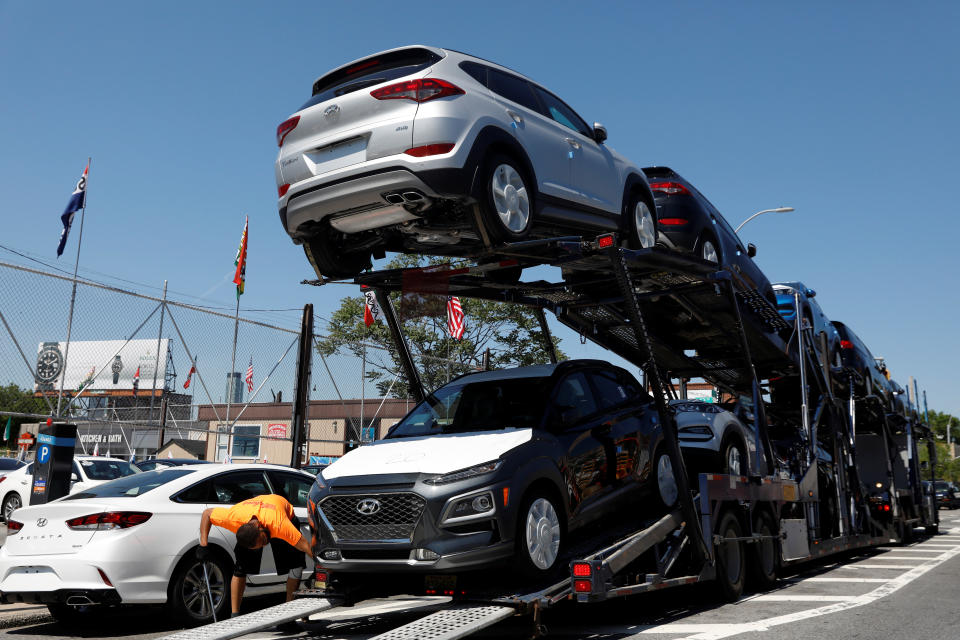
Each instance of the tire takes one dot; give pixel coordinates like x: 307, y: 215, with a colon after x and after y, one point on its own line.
x: 328, y: 262
x: 506, y: 199
x: 764, y: 555
x: 731, y: 563
x: 733, y: 458
x: 641, y: 223
x: 11, y: 503
x: 75, y: 616
x: 709, y: 249
x: 187, y: 596
x: 667, y: 491
x: 540, y: 534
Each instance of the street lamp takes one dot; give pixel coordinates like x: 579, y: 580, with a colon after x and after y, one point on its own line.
x: 777, y: 210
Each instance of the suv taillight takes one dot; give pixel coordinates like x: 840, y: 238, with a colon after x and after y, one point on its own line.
x: 420, y: 90
x: 669, y: 188
x: 846, y: 344
x: 108, y: 520
x: 13, y: 527
x: 286, y: 127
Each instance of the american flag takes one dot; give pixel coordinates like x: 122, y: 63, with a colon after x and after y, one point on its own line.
x: 249, y: 377
x: 454, y: 318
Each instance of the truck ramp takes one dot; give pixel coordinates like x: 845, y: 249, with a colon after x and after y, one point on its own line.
x: 450, y: 624
x: 258, y: 620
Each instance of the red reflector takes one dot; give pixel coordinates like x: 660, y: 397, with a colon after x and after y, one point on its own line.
x: 886, y: 507
x: 421, y: 90
x: 430, y: 150
x: 846, y: 344
x: 282, y: 190
x: 673, y: 222
x: 581, y: 570
x: 104, y: 577
x: 286, y: 127
x: 605, y: 241
x: 109, y: 520
x: 13, y: 526
x: 670, y: 188
x: 582, y: 586
x: 321, y: 576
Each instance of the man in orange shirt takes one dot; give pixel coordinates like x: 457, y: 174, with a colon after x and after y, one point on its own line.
x: 267, y: 519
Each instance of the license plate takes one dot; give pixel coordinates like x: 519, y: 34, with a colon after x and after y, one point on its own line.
x: 336, y: 156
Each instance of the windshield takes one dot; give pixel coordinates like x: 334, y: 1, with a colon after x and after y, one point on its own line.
x: 477, y: 406
x: 942, y: 486
x: 107, y: 469
x: 131, y: 486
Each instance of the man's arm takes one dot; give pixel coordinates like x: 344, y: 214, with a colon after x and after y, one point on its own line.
x: 304, y: 546
x: 205, y: 526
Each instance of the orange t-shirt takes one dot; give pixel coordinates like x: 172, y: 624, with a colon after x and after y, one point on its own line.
x: 273, y: 512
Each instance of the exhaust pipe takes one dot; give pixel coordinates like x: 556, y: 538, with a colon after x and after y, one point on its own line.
x: 78, y: 601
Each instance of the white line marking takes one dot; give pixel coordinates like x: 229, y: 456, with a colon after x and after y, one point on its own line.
x: 719, y: 631
x: 886, y: 557
x: 801, y: 580
x: 799, y: 598
x: 877, y: 566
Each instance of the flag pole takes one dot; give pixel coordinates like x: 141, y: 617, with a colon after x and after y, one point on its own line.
x: 231, y: 388
x: 73, y: 294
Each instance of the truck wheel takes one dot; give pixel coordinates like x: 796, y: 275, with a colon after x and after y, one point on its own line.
x: 506, y: 201
x: 539, y: 534
x: 187, y: 594
x: 764, y: 555
x: 730, y: 561
x: 328, y: 261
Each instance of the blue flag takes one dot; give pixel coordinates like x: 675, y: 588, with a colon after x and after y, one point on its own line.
x: 76, y: 203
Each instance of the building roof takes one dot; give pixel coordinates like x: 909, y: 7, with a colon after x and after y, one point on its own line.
x: 196, y: 447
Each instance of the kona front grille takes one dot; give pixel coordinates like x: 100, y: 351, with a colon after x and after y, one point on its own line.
x: 384, y: 516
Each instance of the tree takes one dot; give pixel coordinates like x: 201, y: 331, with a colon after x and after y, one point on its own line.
x: 940, y: 422
x: 511, y: 333
x: 17, y: 400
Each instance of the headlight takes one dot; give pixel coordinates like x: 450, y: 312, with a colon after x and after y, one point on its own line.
x: 468, y: 507
x: 463, y: 474
x: 698, y: 407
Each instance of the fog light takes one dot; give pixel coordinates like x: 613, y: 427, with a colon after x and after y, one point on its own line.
x: 330, y: 554
x: 482, y: 503
x: 425, y: 554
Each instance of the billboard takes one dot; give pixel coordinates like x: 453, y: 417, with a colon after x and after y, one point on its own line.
x: 101, y: 365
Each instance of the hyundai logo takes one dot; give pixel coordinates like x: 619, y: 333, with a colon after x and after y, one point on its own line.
x: 331, y: 111
x: 368, y: 506
x: 42, y: 522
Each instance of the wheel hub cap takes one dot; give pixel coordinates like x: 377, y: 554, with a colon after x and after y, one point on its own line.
x: 543, y: 534
x: 733, y: 461
x: 666, y: 483
x: 643, y: 223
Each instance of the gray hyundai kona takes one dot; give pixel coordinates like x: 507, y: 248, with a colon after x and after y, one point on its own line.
x: 393, y: 151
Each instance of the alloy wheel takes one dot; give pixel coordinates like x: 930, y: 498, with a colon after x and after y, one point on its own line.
x: 510, y: 198
x: 666, y: 482
x: 733, y: 461
x: 643, y: 223
x: 709, y: 252
x: 12, y: 504
x: 194, y: 590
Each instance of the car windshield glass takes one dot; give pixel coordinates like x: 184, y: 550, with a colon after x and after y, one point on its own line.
x: 107, y: 469
x: 476, y: 406
x: 131, y: 486
x: 8, y: 464
x: 942, y: 486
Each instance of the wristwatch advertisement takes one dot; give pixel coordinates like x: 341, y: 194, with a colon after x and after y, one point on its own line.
x: 49, y: 365
x: 116, y: 368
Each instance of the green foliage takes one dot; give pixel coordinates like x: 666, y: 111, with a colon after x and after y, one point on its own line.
x: 15, y: 399
x: 511, y: 332
x: 939, y: 422
x: 947, y: 467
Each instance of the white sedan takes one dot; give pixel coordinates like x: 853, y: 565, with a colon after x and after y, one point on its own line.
x: 88, y: 471
x: 133, y: 541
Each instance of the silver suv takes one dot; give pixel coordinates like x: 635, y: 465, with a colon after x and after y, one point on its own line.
x: 393, y: 150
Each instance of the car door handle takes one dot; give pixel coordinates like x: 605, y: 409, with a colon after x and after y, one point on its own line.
x: 516, y: 117
x: 573, y: 143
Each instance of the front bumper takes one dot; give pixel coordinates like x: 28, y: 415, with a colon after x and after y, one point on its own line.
x: 457, y: 544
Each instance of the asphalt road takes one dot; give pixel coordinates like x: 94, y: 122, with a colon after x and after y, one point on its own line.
x: 890, y: 592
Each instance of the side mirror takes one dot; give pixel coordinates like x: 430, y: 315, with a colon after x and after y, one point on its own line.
x: 751, y: 250
x: 811, y: 293
x: 599, y: 132
x: 74, y: 477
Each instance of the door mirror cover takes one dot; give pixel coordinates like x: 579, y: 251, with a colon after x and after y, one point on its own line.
x: 751, y: 249
x: 599, y: 133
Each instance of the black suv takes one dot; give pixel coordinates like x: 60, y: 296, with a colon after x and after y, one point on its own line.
x: 491, y: 467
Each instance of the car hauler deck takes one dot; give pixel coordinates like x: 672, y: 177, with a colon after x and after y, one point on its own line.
x: 673, y: 316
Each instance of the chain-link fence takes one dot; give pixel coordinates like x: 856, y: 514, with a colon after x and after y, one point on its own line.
x: 144, y: 375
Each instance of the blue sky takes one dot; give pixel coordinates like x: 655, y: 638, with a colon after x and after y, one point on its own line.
x: 845, y: 111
